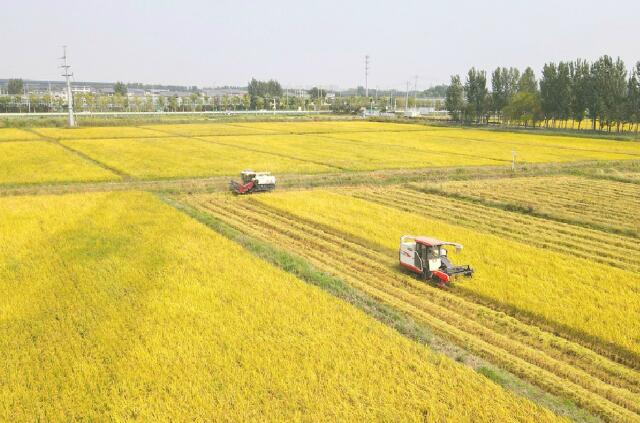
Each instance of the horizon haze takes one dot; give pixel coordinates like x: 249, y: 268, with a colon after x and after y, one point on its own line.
x: 303, y: 44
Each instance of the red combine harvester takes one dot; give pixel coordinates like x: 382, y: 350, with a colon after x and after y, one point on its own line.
x: 428, y: 259
x: 253, y: 182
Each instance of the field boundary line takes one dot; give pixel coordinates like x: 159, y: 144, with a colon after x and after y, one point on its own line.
x: 124, y: 176
x: 300, y: 181
x: 255, y: 150
x: 352, y: 141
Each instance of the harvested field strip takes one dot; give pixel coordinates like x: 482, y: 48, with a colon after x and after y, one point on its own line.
x: 491, y: 334
x: 561, y: 237
x: 389, y: 262
x: 606, y: 203
x: 575, y: 297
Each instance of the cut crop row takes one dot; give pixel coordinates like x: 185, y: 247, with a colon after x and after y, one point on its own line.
x: 357, y: 266
x: 613, y: 250
x: 601, y: 202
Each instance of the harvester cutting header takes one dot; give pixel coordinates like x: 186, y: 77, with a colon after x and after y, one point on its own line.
x: 428, y: 259
x: 253, y: 182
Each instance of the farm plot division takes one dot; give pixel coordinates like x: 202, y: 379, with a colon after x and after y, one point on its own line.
x: 302, y: 223
x: 116, y: 306
x: 297, y: 147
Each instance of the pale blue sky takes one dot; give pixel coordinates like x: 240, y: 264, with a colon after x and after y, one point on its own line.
x: 303, y: 43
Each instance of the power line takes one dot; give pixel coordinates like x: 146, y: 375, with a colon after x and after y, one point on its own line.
x: 66, y: 74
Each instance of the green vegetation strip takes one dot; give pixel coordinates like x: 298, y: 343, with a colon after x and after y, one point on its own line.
x: 383, y: 313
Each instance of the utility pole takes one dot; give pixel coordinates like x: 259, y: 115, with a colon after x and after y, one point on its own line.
x: 366, y: 76
x: 415, y: 93
x: 406, y: 99
x: 66, y: 74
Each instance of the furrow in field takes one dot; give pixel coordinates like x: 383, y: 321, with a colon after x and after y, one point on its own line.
x: 564, y: 238
x: 608, y: 204
x: 374, y: 258
x: 478, y: 210
x: 409, y: 295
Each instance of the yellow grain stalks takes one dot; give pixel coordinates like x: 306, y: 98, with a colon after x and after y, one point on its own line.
x: 13, y: 134
x: 184, y: 157
x: 574, y: 295
x: 620, y: 251
x: 97, y: 132
x: 602, y: 203
x: 117, y: 307
x: 564, y: 367
x: 38, y: 161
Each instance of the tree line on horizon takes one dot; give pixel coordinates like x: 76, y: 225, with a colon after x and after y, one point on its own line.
x: 604, y: 92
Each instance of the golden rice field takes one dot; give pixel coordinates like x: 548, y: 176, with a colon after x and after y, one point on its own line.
x: 114, y: 306
x: 610, y: 249
x: 204, y: 129
x: 498, y: 145
x: 350, y: 156
x: 13, y: 134
x: 120, y: 306
x: 565, y: 367
x: 29, y: 162
x: 214, y: 149
x: 564, y: 291
x: 602, y: 203
x: 97, y: 132
x: 182, y: 157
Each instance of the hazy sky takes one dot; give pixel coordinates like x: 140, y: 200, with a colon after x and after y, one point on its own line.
x: 303, y: 43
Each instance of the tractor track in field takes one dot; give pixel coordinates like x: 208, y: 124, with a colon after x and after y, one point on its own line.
x: 561, y: 237
x: 555, y: 364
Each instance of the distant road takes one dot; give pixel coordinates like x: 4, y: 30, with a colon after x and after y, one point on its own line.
x: 230, y: 112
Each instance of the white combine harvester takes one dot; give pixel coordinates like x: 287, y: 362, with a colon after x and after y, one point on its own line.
x: 253, y: 182
x: 428, y: 259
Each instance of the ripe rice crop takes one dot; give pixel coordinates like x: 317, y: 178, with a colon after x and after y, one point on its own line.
x: 117, y: 307
x: 523, y: 140
x: 601, y: 203
x: 12, y: 134
x: 329, y: 126
x: 97, y: 132
x: 494, y: 145
x: 38, y: 162
x: 554, y: 363
x: 184, y: 157
x: 570, y: 294
x: 201, y: 129
x: 350, y: 156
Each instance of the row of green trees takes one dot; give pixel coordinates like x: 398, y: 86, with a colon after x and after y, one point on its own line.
x: 603, y: 92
